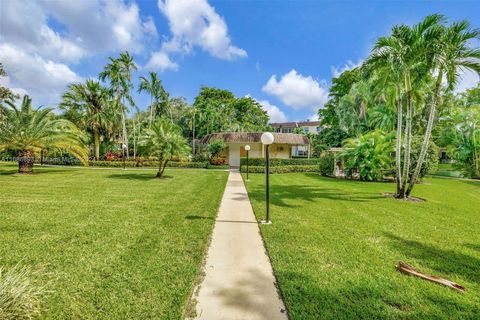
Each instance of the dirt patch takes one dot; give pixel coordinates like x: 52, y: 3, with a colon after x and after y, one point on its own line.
x: 409, y: 199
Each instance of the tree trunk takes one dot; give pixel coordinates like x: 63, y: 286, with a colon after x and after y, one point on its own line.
x: 134, y: 137
x: 193, y: 141
x: 26, y: 158
x: 428, y: 132
x: 398, y: 149
x: 151, y: 112
x: 161, y: 168
x: 96, y: 143
x: 408, y: 138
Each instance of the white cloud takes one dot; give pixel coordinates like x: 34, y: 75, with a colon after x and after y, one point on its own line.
x: 275, y: 114
x: 195, y: 23
x: 160, y: 60
x: 298, y: 91
x: 336, y: 71
x: 467, y: 79
x: 313, y: 117
x: 43, y: 79
x: 36, y: 55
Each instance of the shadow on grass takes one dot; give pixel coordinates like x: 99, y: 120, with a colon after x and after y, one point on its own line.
x: 279, y: 194
x: 472, y: 246
x: 309, y: 298
x: 137, y: 176
x: 35, y: 172
x: 446, y: 262
x: 198, y: 218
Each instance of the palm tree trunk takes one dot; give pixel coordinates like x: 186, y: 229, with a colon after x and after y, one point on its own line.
x: 134, y: 137
x: 161, y: 167
x: 193, y: 140
x: 26, y: 158
x: 428, y: 132
x: 96, y: 143
x: 151, y: 112
x: 408, y: 138
x: 398, y: 148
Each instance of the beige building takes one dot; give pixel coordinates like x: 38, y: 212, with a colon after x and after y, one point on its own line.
x: 289, y: 127
x: 284, y: 145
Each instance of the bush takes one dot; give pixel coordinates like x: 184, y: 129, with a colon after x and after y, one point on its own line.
x: 368, y: 155
x: 19, y: 295
x: 216, y: 147
x: 147, y: 164
x: 280, y: 162
x: 430, y: 163
x: 326, y: 164
x: 218, y: 161
x: 282, y: 169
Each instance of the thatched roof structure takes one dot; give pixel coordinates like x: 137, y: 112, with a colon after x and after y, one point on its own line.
x: 250, y: 137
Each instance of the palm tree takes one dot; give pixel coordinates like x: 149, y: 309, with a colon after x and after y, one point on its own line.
x: 154, y: 87
x: 118, y: 72
x: 29, y: 131
x: 406, y: 52
x: 449, y: 54
x: 164, y: 139
x: 91, y: 102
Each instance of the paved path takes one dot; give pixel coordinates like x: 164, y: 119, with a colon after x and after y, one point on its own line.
x: 239, y: 281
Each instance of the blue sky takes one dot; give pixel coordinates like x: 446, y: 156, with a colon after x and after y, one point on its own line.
x: 282, y: 53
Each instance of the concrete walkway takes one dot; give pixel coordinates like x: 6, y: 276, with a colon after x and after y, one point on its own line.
x: 239, y: 281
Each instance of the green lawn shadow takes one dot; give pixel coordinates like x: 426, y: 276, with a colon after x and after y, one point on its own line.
x: 137, y: 176
x: 446, y: 262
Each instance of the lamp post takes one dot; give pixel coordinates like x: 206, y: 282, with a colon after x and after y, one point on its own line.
x: 124, y: 147
x: 267, y: 139
x: 247, y: 148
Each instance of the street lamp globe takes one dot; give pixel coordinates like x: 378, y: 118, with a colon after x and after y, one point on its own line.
x: 267, y: 138
x: 124, y: 146
x: 247, y: 148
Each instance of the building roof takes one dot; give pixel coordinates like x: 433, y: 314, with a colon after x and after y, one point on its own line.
x: 296, y: 124
x: 245, y: 137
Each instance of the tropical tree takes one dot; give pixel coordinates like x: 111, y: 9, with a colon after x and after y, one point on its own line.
x: 158, y: 95
x: 6, y: 93
x: 450, y: 54
x: 90, y: 102
x: 118, y: 72
x: 165, y: 141
x: 368, y: 155
x: 405, y: 58
x: 27, y: 132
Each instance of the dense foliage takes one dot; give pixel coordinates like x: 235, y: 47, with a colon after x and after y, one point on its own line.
x: 326, y: 165
x: 405, y: 86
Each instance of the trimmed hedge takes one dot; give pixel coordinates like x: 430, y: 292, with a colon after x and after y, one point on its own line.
x: 282, y: 169
x: 147, y: 164
x: 326, y: 164
x: 280, y: 162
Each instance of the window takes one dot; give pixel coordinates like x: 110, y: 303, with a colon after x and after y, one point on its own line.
x: 280, y: 149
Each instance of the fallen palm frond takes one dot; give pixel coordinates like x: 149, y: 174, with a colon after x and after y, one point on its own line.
x: 405, y: 268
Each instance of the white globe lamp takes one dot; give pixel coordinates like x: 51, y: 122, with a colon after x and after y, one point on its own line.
x: 267, y: 138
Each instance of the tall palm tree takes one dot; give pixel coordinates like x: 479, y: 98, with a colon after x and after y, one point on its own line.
x: 153, y: 86
x: 28, y: 131
x: 165, y: 141
x: 91, y: 102
x: 118, y: 72
x: 407, y: 51
x: 450, y: 54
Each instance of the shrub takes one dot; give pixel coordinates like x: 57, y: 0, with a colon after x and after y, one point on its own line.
x: 282, y: 169
x: 218, y: 161
x: 369, y: 155
x: 19, y: 295
x: 326, y: 164
x: 279, y: 162
x: 216, y: 147
x: 430, y: 163
x: 147, y: 164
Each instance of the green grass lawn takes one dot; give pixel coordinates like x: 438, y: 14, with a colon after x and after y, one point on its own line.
x: 447, y: 170
x: 112, y: 244
x: 334, y: 245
